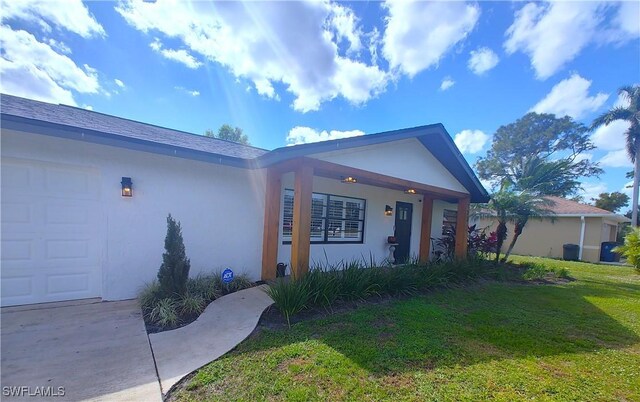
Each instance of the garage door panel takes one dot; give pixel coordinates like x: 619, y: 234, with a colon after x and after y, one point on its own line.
x: 17, y: 287
x: 51, y: 232
x: 17, y: 250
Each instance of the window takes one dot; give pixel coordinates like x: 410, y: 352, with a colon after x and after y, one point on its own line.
x: 449, y: 221
x: 334, y: 219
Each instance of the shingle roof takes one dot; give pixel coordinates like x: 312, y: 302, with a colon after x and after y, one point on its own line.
x: 563, y: 206
x: 80, y: 124
x: 103, y: 123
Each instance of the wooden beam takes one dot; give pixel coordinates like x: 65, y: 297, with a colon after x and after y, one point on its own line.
x: 301, y: 234
x: 462, y: 228
x: 425, y: 230
x: 334, y: 170
x: 273, y: 194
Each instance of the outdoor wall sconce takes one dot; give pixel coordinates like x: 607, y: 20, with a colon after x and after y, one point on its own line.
x: 349, y: 179
x: 388, y: 211
x: 127, y: 187
x: 410, y: 191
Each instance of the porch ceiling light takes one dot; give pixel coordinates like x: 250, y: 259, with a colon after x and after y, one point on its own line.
x: 349, y: 179
x: 127, y: 187
x: 410, y: 191
x: 388, y: 211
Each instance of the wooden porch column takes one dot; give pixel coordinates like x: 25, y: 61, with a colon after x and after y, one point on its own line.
x: 271, y: 224
x: 301, y: 234
x: 462, y: 228
x: 425, y: 229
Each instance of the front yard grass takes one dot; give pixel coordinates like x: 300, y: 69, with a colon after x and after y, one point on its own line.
x: 490, y: 341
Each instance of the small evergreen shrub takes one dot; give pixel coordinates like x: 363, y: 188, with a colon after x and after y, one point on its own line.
x: 174, y: 271
x: 631, y: 248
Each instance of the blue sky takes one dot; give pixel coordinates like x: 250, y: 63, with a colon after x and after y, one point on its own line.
x: 293, y: 72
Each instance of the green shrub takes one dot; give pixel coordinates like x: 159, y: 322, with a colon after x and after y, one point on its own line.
x: 174, y: 271
x: 239, y: 282
x: 149, y: 296
x: 289, y: 296
x: 631, y: 248
x: 355, y: 281
x: 191, y: 304
x: 205, y: 286
x: 534, y: 272
x: 164, y: 313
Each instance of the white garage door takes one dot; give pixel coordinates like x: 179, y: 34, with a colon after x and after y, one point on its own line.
x: 52, y: 232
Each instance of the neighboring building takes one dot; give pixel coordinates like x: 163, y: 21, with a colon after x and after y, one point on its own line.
x: 69, y: 230
x: 571, y: 223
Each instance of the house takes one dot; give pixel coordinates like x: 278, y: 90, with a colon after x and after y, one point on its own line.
x: 570, y: 223
x: 85, y: 198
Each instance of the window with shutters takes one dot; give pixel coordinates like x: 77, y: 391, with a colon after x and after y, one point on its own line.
x: 334, y: 219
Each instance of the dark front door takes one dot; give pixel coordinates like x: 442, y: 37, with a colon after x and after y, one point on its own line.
x: 404, y: 211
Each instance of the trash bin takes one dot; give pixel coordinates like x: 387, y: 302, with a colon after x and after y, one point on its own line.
x: 606, y: 252
x: 570, y: 252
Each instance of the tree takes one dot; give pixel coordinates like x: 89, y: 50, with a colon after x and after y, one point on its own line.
x: 611, y: 201
x: 540, y: 154
x: 228, y: 133
x: 631, y: 114
x: 174, y: 271
x: 526, y: 206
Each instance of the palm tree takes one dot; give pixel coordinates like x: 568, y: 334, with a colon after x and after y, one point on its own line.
x: 499, y: 207
x: 525, y: 207
x: 630, y: 113
x: 508, y: 205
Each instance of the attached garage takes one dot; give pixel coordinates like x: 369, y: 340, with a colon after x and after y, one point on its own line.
x: 52, y: 232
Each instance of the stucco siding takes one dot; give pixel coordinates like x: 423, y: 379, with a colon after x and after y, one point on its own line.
x: 545, y: 238
x: 407, y: 159
x: 377, y: 225
x: 221, y: 208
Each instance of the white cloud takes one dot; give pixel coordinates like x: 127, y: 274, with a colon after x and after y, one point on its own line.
x: 32, y: 69
x: 303, y: 135
x: 611, y: 137
x: 291, y: 43
x: 419, y: 34
x: 40, y: 68
x: 446, y: 83
x: 617, y: 158
x: 471, y: 141
x: 482, y: 60
x: 72, y: 16
x: 552, y: 34
x: 191, y: 92
x: 119, y: 83
x: 180, y: 55
x: 592, y: 190
x: 570, y: 97
x: 88, y: 107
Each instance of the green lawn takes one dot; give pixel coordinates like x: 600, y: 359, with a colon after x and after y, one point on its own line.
x: 493, y: 341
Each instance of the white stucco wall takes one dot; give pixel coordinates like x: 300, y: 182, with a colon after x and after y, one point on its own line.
x: 377, y: 226
x: 407, y: 159
x: 221, y: 208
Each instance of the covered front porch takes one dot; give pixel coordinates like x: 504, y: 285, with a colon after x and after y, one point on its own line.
x: 303, y: 178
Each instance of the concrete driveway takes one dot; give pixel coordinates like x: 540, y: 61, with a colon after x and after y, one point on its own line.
x: 92, y: 350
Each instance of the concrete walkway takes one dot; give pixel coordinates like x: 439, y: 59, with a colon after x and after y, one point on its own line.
x: 95, y: 350
x: 225, y: 323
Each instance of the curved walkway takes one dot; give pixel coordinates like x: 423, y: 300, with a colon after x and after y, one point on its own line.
x: 225, y: 323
